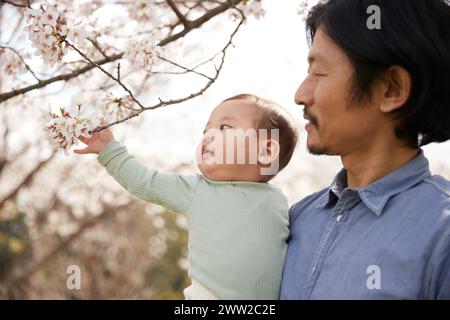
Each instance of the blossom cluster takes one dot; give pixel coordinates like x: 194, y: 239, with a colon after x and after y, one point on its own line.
x: 143, y: 10
x: 251, y: 8
x: 48, y: 28
x: 117, y: 108
x: 63, y: 130
x: 10, y: 63
x: 143, y: 53
x: 302, y: 9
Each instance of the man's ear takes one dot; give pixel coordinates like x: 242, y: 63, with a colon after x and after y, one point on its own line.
x: 396, y: 84
x: 269, y: 151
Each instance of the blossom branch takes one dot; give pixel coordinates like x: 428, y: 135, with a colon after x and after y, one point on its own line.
x: 106, y: 73
x: 26, y: 180
x: 201, y: 20
x: 97, y: 46
x: 16, y: 4
x: 193, y: 95
x: 184, y: 68
x: 193, y: 25
x: 68, y: 76
x: 186, y: 23
x: 22, y: 60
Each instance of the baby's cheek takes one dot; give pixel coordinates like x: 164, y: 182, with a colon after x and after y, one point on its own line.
x: 242, y: 150
x: 198, y: 154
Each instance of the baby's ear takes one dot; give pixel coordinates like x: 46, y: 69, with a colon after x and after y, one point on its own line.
x: 268, y: 151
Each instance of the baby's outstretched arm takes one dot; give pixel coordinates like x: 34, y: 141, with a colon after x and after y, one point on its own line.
x: 170, y: 189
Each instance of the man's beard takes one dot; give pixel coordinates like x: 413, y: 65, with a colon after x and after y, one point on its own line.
x: 317, y: 151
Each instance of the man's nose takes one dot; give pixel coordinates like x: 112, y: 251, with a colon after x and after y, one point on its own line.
x: 304, y: 94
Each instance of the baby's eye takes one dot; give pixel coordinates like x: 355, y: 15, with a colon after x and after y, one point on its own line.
x: 224, y: 126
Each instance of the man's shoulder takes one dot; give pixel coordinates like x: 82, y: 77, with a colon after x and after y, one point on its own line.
x: 298, y: 207
x: 433, y: 193
x: 436, y: 193
x: 440, y: 185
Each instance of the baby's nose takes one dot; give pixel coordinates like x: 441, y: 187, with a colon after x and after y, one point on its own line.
x: 208, y: 137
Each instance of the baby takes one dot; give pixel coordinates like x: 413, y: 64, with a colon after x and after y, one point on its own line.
x: 237, y: 221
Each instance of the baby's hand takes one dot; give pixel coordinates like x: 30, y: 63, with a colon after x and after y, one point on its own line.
x: 97, y: 141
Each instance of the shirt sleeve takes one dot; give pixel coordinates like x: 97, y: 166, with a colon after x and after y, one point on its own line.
x: 171, y: 190
x: 437, y: 277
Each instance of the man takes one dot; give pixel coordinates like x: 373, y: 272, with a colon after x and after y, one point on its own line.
x: 374, y: 96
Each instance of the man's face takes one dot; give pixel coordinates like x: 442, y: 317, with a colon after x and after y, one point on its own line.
x: 336, y: 124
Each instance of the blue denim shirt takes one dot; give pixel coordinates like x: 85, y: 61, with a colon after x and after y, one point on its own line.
x: 390, y: 240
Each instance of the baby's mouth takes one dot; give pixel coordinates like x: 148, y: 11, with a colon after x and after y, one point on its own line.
x: 206, y: 152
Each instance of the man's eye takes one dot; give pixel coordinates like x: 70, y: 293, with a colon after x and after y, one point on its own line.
x: 318, y: 74
x: 224, y: 126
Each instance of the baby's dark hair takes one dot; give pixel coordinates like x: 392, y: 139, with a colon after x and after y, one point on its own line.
x: 274, y: 117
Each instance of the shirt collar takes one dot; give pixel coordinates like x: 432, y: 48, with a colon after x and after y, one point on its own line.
x: 376, y: 195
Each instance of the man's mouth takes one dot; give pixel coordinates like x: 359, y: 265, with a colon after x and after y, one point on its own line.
x: 312, y: 121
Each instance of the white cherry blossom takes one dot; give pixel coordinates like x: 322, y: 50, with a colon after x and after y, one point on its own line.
x: 250, y: 8
x: 144, y: 10
x: 303, y: 8
x: 63, y: 130
x: 48, y: 29
x: 117, y: 108
x: 142, y: 53
x: 10, y: 63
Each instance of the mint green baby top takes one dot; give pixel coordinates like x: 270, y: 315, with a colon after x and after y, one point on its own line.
x: 237, y: 229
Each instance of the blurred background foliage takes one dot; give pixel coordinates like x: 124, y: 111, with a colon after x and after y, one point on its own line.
x: 136, y: 253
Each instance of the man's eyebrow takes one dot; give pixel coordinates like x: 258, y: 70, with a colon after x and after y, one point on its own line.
x: 312, y: 57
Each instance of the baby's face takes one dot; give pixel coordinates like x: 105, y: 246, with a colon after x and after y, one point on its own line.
x: 229, y: 147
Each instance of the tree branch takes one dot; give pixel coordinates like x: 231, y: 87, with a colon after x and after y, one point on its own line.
x: 22, y: 60
x: 68, y: 76
x: 200, y: 21
x: 26, y: 180
x: 16, y: 4
x: 184, y: 68
x: 106, y: 72
x: 194, y: 24
x: 186, y: 23
x: 193, y: 95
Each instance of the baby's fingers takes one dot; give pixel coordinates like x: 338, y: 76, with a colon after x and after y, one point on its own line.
x: 82, y: 151
x: 84, y: 139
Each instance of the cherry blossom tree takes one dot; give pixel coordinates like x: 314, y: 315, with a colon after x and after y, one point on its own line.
x: 63, y: 65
